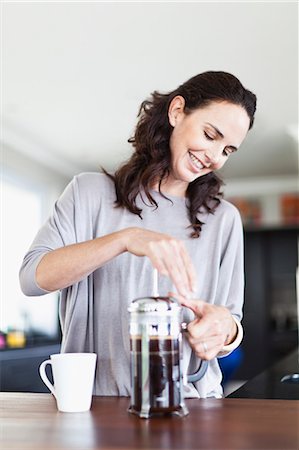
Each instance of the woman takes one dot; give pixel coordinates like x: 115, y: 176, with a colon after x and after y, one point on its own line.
x: 161, y: 209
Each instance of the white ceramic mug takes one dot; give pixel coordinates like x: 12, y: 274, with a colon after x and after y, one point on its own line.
x: 73, y: 376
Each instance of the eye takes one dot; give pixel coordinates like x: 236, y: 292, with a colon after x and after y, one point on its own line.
x: 226, y: 152
x: 210, y: 138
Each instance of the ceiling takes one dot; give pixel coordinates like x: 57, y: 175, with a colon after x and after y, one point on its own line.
x: 75, y: 73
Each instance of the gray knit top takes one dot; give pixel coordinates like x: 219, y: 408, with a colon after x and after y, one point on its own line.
x: 93, y: 312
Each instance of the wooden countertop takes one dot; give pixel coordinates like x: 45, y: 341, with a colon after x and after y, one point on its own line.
x: 31, y: 421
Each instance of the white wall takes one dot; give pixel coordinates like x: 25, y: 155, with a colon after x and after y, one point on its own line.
x: 40, y: 176
x: 75, y: 73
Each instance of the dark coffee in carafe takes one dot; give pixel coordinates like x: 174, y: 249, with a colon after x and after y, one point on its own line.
x: 156, y: 357
x: 164, y: 374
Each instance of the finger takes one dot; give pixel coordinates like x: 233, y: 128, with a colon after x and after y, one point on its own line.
x: 205, y: 329
x: 182, y: 265
x: 197, y: 306
x: 172, y: 272
x: 189, y: 268
x: 160, y: 257
x: 197, y: 329
x: 207, y: 348
x: 177, y: 265
x: 158, y: 264
x: 178, y: 281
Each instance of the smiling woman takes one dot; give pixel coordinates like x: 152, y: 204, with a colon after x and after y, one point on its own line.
x: 210, y: 113
x: 161, y: 209
x: 197, y: 146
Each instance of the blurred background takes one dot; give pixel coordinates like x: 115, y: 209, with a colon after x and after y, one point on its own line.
x: 73, y: 77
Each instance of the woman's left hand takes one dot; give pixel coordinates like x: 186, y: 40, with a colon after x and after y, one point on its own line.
x: 212, y: 328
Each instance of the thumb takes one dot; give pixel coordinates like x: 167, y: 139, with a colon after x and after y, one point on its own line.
x: 197, y: 306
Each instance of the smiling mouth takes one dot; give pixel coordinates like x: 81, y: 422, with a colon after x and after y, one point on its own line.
x: 198, y: 164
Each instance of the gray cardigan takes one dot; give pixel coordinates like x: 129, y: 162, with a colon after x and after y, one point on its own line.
x: 93, y: 312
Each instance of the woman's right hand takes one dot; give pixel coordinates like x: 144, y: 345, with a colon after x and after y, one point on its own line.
x: 67, y: 265
x: 167, y: 254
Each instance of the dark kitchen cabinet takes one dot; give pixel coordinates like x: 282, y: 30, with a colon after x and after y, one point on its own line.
x: 270, y: 309
x: 19, y: 368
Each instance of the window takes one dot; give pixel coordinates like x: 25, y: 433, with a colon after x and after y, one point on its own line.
x: 22, y: 216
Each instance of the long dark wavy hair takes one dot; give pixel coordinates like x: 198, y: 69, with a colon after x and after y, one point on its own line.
x: 150, y: 162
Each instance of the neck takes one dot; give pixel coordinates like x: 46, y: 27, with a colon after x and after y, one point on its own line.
x: 177, y: 188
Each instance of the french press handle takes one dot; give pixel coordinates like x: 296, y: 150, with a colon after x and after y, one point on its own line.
x: 199, y: 373
x: 203, y: 367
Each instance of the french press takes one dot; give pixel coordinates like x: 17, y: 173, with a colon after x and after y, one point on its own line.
x: 156, y: 357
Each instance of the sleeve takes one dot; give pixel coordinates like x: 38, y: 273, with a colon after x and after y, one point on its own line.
x: 58, y: 231
x: 227, y: 349
x: 230, y: 289
x: 230, y: 286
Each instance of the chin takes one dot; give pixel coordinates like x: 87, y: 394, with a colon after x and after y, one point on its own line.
x: 193, y: 176
x: 186, y: 176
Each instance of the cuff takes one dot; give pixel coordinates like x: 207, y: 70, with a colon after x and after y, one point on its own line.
x: 233, y: 345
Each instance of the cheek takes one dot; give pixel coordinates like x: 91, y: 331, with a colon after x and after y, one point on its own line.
x: 182, y: 133
x: 177, y: 144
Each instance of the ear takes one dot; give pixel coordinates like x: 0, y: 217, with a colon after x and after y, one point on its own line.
x: 176, y: 109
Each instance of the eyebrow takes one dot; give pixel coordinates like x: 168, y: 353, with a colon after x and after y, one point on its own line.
x: 234, y: 149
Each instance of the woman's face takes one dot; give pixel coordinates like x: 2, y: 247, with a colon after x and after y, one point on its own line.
x: 204, y: 140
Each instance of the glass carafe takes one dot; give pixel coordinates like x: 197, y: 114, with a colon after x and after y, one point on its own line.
x: 156, y: 357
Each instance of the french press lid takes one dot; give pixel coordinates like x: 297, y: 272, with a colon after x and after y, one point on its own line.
x: 155, y: 305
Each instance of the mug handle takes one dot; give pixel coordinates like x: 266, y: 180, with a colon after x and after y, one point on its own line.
x: 43, y: 375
